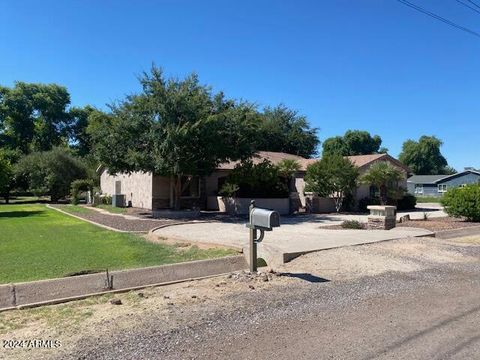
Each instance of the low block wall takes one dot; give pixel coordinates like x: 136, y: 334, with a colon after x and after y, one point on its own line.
x: 239, y: 206
x: 316, y: 204
x: 19, y: 294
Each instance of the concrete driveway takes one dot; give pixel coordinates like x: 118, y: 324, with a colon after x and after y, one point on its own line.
x: 297, y: 235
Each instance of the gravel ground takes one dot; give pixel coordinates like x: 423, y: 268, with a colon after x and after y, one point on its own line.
x: 413, y: 298
x: 446, y: 223
x: 118, y: 222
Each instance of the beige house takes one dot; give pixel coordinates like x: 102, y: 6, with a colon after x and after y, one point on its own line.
x: 148, y: 191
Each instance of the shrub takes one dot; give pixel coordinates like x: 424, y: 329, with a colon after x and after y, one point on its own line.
x: 463, y: 202
x: 80, y: 185
x: 50, y: 172
x: 228, y: 190
x: 261, y: 180
x: 407, y: 202
x: 366, y: 201
x: 352, y: 224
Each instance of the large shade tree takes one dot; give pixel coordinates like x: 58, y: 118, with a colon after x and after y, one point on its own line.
x: 6, y: 176
x: 424, y: 157
x: 34, y: 117
x: 353, y: 142
x: 285, y: 130
x: 333, y: 176
x: 50, y: 172
x: 174, y: 127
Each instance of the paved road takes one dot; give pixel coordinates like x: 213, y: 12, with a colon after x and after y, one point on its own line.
x: 429, y: 314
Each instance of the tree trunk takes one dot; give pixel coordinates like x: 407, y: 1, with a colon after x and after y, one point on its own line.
x: 177, y: 192
x: 383, y: 195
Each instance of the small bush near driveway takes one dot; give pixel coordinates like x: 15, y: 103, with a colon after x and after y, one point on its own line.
x: 463, y: 202
x: 353, y: 224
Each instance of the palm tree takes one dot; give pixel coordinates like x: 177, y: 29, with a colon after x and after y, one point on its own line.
x: 287, y: 169
x: 384, y: 177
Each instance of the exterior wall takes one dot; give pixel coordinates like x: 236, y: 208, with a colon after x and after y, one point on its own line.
x: 211, y: 182
x: 299, y: 187
x: 137, y: 187
x: 160, y: 192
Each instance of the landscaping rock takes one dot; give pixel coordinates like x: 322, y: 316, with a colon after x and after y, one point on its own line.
x: 116, y: 302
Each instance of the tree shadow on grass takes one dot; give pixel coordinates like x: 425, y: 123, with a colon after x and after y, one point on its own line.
x: 20, y: 214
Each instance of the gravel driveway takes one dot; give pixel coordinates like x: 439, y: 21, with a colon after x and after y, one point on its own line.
x: 117, y: 222
x: 404, y: 299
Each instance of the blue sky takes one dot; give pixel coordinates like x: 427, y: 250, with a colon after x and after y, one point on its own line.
x: 374, y: 65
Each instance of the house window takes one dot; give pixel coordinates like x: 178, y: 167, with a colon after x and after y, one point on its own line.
x: 442, y: 188
x: 418, y: 188
x: 190, y: 187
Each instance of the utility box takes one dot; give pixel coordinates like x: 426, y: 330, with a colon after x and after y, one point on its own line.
x: 118, y: 200
x: 382, y: 217
x: 264, y: 219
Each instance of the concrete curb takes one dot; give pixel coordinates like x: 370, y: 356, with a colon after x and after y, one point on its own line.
x: 44, y: 292
x: 93, y: 222
x: 455, y: 233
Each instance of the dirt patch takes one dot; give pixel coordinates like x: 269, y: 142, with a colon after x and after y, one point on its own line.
x: 438, y: 224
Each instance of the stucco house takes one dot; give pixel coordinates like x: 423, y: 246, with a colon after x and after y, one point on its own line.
x: 437, y: 185
x: 148, y: 191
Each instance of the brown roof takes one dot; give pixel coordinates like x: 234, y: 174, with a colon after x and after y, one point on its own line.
x: 273, y: 157
x: 362, y: 160
x: 276, y: 157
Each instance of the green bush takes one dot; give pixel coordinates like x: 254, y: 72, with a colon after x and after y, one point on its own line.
x: 366, y: 201
x: 228, y: 190
x: 80, y: 185
x: 262, y: 180
x: 463, y: 202
x: 352, y: 224
x: 407, y: 202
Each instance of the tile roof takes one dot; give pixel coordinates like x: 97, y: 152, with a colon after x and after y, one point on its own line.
x: 273, y: 157
x: 276, y: 157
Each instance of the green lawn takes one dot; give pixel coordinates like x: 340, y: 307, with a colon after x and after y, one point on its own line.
x: 40, y: 243
x: 429, y: 199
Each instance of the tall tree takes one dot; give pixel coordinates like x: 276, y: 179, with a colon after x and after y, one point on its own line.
x: 79, y: 121
x: 423, y: 157
x: 34, y: 117
x: 50, y: 172
x: 175, y: 128
x: 333, y: 176
x: 284, y: 130
x: 6, y: 176
x: 353, y: 142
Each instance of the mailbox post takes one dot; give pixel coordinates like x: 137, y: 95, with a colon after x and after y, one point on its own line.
x: 263, y: 220
x: 253, y: 244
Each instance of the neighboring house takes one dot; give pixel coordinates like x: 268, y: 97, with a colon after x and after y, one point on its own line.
x: 144, y: 190
x: 437, y: 185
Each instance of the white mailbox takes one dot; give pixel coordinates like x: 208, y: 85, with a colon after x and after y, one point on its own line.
x: 264, y: 219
